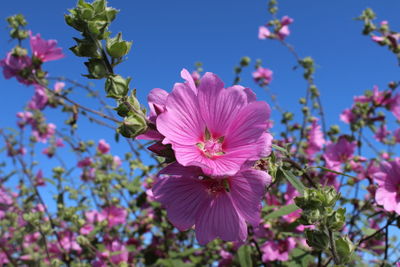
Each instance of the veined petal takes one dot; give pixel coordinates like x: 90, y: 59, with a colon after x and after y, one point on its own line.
x: 183, y: 196
x: 220, y: 219
x: 181, y: 123
x: 247, y: 191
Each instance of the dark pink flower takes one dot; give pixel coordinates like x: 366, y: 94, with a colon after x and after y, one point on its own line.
x: 103, y: 146
x: 277, y: 249
x: 86, y: 162
x: 388, y: 180
x: 45, y: 50
x: 262, y: 76
x: 13, y: 65
x: 215, y: 128
x: 216, y: 207
x: 382, y: 133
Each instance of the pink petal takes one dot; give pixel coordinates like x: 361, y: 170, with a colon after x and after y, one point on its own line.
x: 247, y: 191
x: 220, y: 219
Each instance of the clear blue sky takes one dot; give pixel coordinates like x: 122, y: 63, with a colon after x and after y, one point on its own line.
x: 171, y: 35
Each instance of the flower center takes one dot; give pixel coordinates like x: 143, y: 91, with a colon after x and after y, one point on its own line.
x: 215, y: 186
x: 211, y: 147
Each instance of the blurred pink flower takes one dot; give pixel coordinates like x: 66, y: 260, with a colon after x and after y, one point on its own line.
x: 262, y: 76
x: 103, y: 146
x: 13, y: 65
x: 315, y: 139
x: 277, y: 249
x: 217, y: 207
x: 388, y: 180
x: 263, y: 33
x: 114, y: 215
x: 39, y: 99
x: 45, y: 50
x: 339, y: 152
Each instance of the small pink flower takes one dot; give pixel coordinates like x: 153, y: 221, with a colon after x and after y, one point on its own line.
x: 103, y: 147
x: 39, y: 181
x: 39, y: 99
x: 58, y: 87
x: 217, y: 207
x: 215, y: 128
x: 45, y: 50
x: 382, y: 133
x: 394, y: 106
x: 59, y: 142
x: 86, y: 162
x: 86, y: 229
x: 263, y: 33
x: 42, y: 135
x: 347, y: 116
x: 277, y: 249
x: 315, y: 139
x: 114, y: 215
x: 339, y: 152
x: 117, y: 162
x: 94, y: 216
x: 13, y: 65
x: 388, y: 180
x: 263, y: 76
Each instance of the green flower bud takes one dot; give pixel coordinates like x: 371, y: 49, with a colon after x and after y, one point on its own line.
x: 132, y: 126
x: 97, y: 69
x: 85, y: 48
x: 344, y: 249
x: 336, y: 221
x: 317, y: 239
x: 245, y: 61
x: 116, y: 86
x: 82, y: 240
x: 116, y: 47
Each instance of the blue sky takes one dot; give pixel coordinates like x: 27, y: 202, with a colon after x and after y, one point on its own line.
x: 171, y: 35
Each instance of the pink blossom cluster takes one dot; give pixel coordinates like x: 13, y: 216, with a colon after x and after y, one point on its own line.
x: 280, y: 30
x: 215, y: 134
x: 22, y: 66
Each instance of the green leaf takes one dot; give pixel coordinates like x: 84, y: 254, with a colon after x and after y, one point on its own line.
x: 282, y: 211
x: 281, y: 149
x: 244, y: 255
x: 293, y: 180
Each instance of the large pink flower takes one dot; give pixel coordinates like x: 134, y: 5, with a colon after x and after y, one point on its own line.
x: 215, y: 128
x: 45, y: 50
x: 217, y: 207
x: 388, y: 179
